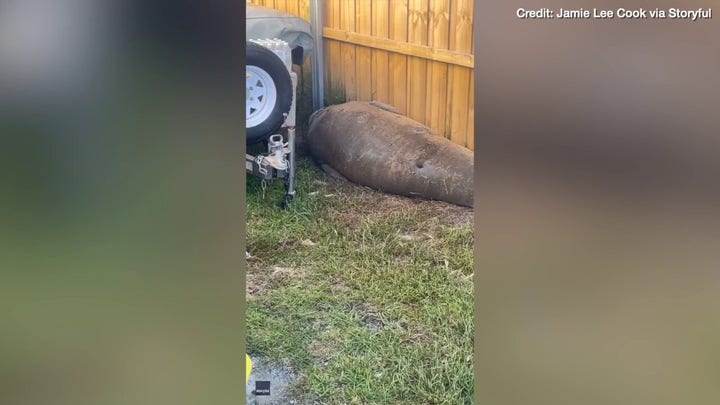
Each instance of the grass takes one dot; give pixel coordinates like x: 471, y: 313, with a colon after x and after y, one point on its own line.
x: 368, y: 297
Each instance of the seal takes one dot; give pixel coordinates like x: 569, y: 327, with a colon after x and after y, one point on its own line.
x: 373, y: 145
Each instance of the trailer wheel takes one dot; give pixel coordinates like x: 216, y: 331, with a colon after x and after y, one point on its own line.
x: 268, y: 92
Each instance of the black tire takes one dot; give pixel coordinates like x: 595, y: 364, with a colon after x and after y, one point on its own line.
x: 260, y: 57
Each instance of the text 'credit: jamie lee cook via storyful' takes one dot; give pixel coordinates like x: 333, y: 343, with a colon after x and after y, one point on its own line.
x: 615, y: 14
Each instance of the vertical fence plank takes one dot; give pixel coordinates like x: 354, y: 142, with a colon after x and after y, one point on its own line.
x: 380, y: 59
x: 333, y: 55
x: 281, y: 5
x: 363, y: 65
x: 292, y: 7
x: 347, y: 22
x: 471, y: 115
x: 417, y: 67
x: 461, y: 26
x: 439, y: 22
x: 328, y: 21
x: 304, y: 8
x: 398, y: 63
x: 459, y: 77
x: 459, y: 86
x: 304, y: 12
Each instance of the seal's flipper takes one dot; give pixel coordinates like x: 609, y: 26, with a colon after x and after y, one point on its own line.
x: 332, y: 172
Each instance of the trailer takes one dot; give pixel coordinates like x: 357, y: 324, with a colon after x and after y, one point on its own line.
x: 275, y: 42
x: 268, y: 113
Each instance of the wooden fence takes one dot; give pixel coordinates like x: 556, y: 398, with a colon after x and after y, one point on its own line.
x: 415, y: 55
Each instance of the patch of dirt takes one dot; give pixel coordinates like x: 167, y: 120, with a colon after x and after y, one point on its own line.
x: 368, y: 316
x: 278, y: 274
x: 260, y: 280
x: 322, y: 352
x: 416, y: 335
x: 337, y: 286
x: 407, y: 237
x: 375, y: 321
x: 402, y: 260
x: 255, y: 285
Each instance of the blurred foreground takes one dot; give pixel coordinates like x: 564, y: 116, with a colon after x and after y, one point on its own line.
x: 597, y: 262
x: 122, y: 232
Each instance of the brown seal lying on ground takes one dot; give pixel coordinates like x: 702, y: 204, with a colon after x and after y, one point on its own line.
x: 373, y: 145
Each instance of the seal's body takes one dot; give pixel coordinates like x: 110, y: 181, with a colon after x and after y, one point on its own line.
x: 371, y: 145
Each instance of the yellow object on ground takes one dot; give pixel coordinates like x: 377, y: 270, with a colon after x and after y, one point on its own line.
x: 248, y: 368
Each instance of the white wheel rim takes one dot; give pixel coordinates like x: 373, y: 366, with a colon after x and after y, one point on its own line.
x: 261, y: 96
